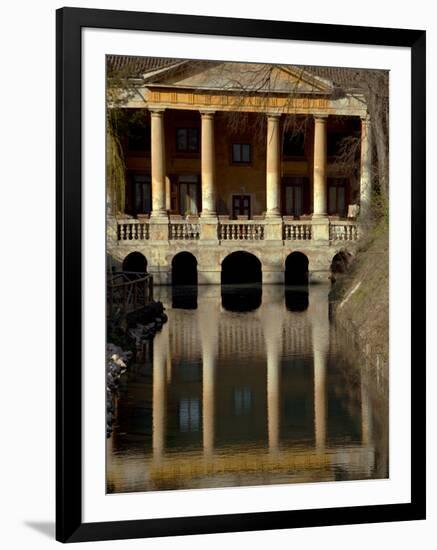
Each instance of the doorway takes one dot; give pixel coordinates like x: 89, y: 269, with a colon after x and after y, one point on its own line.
x: 240, y: 205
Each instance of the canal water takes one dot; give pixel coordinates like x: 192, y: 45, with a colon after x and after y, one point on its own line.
x: 247, y: 385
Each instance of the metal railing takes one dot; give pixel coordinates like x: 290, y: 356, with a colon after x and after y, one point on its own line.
x: 128, y: 291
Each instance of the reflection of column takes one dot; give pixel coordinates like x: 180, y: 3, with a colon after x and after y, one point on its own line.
x: 320, y: 161
x: 208, y: 376
x: 320, y: 332
x: 319, y: 398
x: 273, y: 178
x: 158, y: 163
x: 208, y: 318
x: 273, y: 397
x: 159, y: 395
x: 208, y: 164
x: 271, y: 315
x: 366, y: 415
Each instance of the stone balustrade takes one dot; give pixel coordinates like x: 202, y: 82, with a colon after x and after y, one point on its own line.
x: 132, y: 230
x: 342, y: 230
x: 183, y: 230
x: 236, y: 230
x: 297, y: 231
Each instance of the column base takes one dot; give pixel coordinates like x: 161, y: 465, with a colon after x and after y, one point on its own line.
x: 273, y: 214
x: 159, y: 216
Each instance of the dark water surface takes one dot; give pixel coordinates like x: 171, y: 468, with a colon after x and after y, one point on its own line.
x: 247, y: 386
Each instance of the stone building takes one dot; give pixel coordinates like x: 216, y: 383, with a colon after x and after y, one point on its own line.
x: 224, y: 158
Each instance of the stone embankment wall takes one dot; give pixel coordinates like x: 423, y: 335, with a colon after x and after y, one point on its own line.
x: 124, y: 336
x: 359, y: 300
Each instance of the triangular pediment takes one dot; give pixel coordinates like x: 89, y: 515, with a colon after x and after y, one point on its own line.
x: 239, y: 77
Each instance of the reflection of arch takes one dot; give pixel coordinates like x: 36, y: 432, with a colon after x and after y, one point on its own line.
x: 296, y: 300
x: 341, y: 262
x: 184, y: 269
x: 296, y: 269
x: 135, y: 262
x: 241, y: 268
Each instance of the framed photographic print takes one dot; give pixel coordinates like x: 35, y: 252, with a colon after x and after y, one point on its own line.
x: 241, y: 274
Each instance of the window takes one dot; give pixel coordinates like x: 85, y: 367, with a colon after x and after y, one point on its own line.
x: 241, y: 153
x: 240, y: 205
x: 337, y: 196
x: 187, y: 140
x: 142, y: 194
x: 293, y: 144
x: 242, y: 400
x: 138, y: 138
x: 188, y: 195
x: 189, y: 414
x: 294, y: 189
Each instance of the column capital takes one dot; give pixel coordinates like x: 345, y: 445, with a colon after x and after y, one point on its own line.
x: 322, y: 118
x: 365, y: 119
x: 207, y: 113
x: 156, y: 111
x: 274, y: 115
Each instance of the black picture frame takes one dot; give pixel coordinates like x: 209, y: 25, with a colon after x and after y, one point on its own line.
x: 69, y: 525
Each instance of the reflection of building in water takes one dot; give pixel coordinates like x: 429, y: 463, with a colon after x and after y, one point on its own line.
x: 247, y: 391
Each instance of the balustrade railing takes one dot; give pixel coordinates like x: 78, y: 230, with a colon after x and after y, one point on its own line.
x: 238, y: 230
x: 183, y: 230
x: 297, y: 231
x: 343, y: 231
x: 132, y: 230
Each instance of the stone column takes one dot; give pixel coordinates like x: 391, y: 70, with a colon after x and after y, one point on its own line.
x: 208, y: 165
x: 320, y: 223
x: 320, y: 191
x: 158, y: 163
x: 366, y: 166
x: 273, y: 175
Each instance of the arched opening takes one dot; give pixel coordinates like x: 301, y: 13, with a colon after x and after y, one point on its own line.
x: 184, y: 269
x: 296, y: 282
x: 184, y: 281
x: 135, y: 263
x: 240, y: 268
x: 296, y: 269
x: 241, y: 280
x: 341, y: 262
